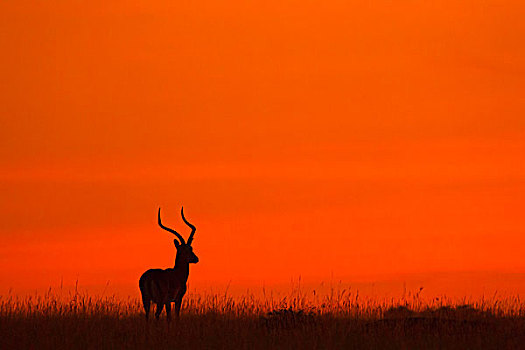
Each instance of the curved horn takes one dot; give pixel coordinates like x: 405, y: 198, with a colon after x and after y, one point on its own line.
x: 193, y: 229
x: 172, y: 231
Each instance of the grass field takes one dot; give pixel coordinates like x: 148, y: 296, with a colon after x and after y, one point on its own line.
x: 337, y: 320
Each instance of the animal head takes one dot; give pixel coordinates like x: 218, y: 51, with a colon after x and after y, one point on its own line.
x: 185, y: 253
x: 184, y: 249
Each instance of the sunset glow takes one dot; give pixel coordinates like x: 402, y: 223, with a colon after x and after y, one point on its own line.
x: 353, y: 141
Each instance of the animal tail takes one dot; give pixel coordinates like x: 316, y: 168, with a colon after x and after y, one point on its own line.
x: 144, y: 287
x: 142, y: 283
x: 145, y: 295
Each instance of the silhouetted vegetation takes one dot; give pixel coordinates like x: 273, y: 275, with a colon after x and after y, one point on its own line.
x: 338, y: 321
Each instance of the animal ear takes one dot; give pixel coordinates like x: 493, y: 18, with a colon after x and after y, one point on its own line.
x: 176, y: 242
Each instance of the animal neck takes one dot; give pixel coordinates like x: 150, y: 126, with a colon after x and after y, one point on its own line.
x: 183, y: 267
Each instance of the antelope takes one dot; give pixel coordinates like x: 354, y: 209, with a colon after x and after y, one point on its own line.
x: 166, y: 286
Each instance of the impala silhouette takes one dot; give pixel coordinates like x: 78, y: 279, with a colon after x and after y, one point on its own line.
x: 166, y: 286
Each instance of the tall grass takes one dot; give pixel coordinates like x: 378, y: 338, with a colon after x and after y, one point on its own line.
x: 340, y: 318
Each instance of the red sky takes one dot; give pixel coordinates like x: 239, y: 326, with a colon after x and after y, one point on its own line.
x: 352, y: 139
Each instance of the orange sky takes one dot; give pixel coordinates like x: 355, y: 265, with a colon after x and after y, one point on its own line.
x: 353, y: 139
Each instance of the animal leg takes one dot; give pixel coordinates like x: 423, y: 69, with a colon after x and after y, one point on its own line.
x: 160, y: 306
x: 168, y: 311
x: 178, y: 304
x: 147, y: 303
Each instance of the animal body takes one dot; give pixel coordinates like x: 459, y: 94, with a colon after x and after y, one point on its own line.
x: 163, y: 287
